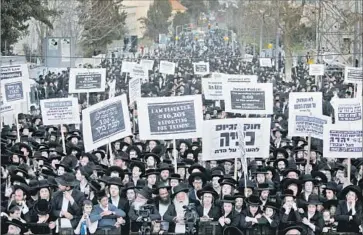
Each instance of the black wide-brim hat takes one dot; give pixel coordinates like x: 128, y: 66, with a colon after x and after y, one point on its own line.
x: 42, y: 207
x: 155, y: 156
x: 297, y: 227
x: 67, y: 179
x: 95, y: 186
x: 180, y: 188
x: 352, y: 188
x: 117, y: 169
x: 253, y: 200
x: 280, y: 150
x: 160, y: 186
x: 138, y: 164
x: 207, y: 189
x: 18, y: 224
x: 197, y: 166
x: 115, y: 181
x: 24, y: 187
x: 313, y: 200
x: 197, y: 174
x: 320, y: 177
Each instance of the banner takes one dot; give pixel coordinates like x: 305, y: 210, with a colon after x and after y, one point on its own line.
x: 221, y: 140
x: 302, y: 124
x: 265, y: 62
x: 127, y: 66
x: 213, y: 88
x: 343, y: 141
x: 16, y: 71
x: 138, y: 71
x: 347, y: 111
x: 201, y: 68
x: 147, y: 64
x: 241, y: 78
x: 60, y: 111
x: 83, y: 80
x: 134, y: 89
x: 248, y: 98
x: 105, y: 122
x: 167, y: 67
x: 13, y: 90
x: 171, y: 117
x: 316, y: 69
x: 306, y: 102
x: 353, y: 75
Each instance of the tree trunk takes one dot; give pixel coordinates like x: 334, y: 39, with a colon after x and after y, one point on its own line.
x: 288, y: 57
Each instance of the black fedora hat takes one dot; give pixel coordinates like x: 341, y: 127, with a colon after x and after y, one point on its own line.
x: 280, y: 150
x: 207, y: 189
x: 67, y: 179
x: 253, y: 200
x: 138, y: 164
x: 329, y: 203
x: 129, y: 186
x: 146, y: 192
x: 313, y: 200
x: 175, y: 176
x: 308, y: 178
x: 272, y: 205
x: 351, y: 188
x: 320, y: 177
x: 42, y: 207
x: 17, y: 223
x: 151, y: 172
x: 180, y: 188
x: 43, y: 184
x: 228, y: 199
x: 287, y: 193
x: 299, y: 228
x: 164, y: 166
x: 331, y: 186
x: 288, y: 170
x: 155, y: 156
x: 119, y: 170
x: 160, y: 186
x: 196, y: 166
x: 227, y: 180
x: 197, y: 175
x: 115, y: 181
x: 94, y: 185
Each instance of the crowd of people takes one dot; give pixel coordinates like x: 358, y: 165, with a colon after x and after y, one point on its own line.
x: 134, y: 187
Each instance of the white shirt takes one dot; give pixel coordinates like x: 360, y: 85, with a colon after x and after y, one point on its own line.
x: 162, y: 209
x: 115, y: 201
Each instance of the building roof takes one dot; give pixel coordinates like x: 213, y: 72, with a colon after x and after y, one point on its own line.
x: 177, y: 6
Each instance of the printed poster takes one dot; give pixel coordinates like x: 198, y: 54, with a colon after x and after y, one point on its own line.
x: 134, y: 89
x: 302, y: 124
x: 83, y: 80
x: 60, y: 111
x: 311, y: 102
x: 167, y: 67
x: 348, y: 111
x: 201, y: 68
x: 19, y: 71
x: 353, y: 75
x: 13, y: 91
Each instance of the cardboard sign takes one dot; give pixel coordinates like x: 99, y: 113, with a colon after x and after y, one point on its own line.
x: 201, y: 68
x: 221, y: 139
x: 167, y: 67
x: 60, y: 111
x: 265, y: 62
x: 138, y: 71
x: 302, y: 124
x: 171, y: 118
x: 343, y: 141
x: 127, y: 66
x: 105, y: 122
x: 83, y: 80
x: 13, y: 90
x: 249, y: 98
x: 134, y: 89
x: 353, y: 75
x: 16, y: 71
x: 311, y: 102
x: 347, y: 111
x: 213, y: 88
x: 147, y: 64
x: 316, y: 70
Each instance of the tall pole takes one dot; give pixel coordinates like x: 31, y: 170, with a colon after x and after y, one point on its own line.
x: 261, y: 36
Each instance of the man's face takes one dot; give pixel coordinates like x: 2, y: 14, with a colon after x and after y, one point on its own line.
x: 130, y: 195
x: 281, y: 165
x: 136, y: 172
x: 197, y: 184
x: 226, y: 189
x: 260, y: 178
x: 308, y: 186
x: 181, y: 197
x: 114, y: 190
x: 19, y: 195
x: 87, y: 209
x: 151, y: 179
x: 150, y: 161
x: 329, y: 194
x: 132, y: 154
x: 164, y: 174
x: 239, y: 203
x: 207, y: 198
x: 264, y: 194
x: 227, y: 166
x: 163, y: 194
x: 104, y: 202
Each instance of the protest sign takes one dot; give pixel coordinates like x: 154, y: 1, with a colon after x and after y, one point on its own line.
x: 83, y: 80
x: 147, y: 64
x: 213, y: 88
x: 343, y: 141
x: 221, y: 140
x: 127, y: 66
x: 248, y: 98
x: 347, y: 110
x: 167, y: 67
x: 265, y: 62
x: 138, y: 71
x: 13, y: 90
x: 240, y: 78
x: 302, y: 124
x: 60, y: 111
x: 171, y: 118
x: 105, y: 122
x: 353, y: 75
x: 311, y: 102
x: 316, y: 69
x: 201, y: 68
x: 134, y: 89
x: 16, y: 71
x: 7, y: 109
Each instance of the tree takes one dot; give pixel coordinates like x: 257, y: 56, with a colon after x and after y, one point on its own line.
x: 15, y: 16
x: 181, y: 19
x: 195, y: 7
x: 102, y: 21
x: 157, y: 20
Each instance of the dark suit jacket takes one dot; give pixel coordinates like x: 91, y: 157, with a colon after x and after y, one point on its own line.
x: 214, y: 213
x: 134, y: 214
x: 316, y: 220
x: 342, y: 217
x: 75, y: 209
x: 124, y: 205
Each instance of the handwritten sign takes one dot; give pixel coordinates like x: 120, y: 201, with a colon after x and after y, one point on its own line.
x: 303, y: 124
x: 353, y: 75
x: 60, y: 111
x: 172, y: 118
x: 306, y: 102
x: 134, y: 89
x: 347, y: 111
x: 343, y: 141
x: 83, y: 80
x: 167, y: 67
x: 105, y: 122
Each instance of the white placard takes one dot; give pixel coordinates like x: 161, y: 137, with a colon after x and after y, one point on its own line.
x: 241, y: 78
x: 147, y: 64
x: 60, y: 111
x: 167, y: 67
x: 201, y: 68
x: 139, y: 71
x: 170, y: 117
x: 16, y: 71
x: 134, y: 89
x: 248, y: 98
x: 82, y: 80
x: 265, y: 62
x: 343, y: 141
x: 302, y: 124
x: 220, y: 138
x: 105, y: 122
x: 13, y: 91
x: 213, y: 88
x: 311, y: 102
x: 353, y: 75
x: 66, y: 49
x: 347, y: 110
x: 316, y: 69
x: 127, y: 66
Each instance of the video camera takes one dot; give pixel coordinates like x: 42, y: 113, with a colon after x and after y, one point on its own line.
x: 145, y: 212
x: 191, y: 215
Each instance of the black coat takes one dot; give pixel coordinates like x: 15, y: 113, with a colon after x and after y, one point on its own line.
x: 316, y: 220
x: 342, y: 217
x: 263, y: 227
x: 293, y: 218
x: 124, y: 205
x: 214, y: 213
x: 134, y: 214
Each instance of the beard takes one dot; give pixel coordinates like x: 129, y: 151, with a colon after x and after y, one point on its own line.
x: 179, y: 206
x: 138, y: 205
x: 165, y: 201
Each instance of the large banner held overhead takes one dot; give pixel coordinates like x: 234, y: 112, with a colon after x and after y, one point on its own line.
x: 20, y: 72
x: 13, y: 91
x: 353, y: 75
x: 171, y: 117
x: 221, y: 140
x: 343, y: 141
x: 167, y: 67
x: 213, y: 88
x: 248, y: 98
x: 347, y: 111
x: 134, y: 89
x: 201, y: 68
x: 105, y: 122
x: 60, y: 111
x: 311, y: 102
x: 83, y: 80
x: 302, y: 124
